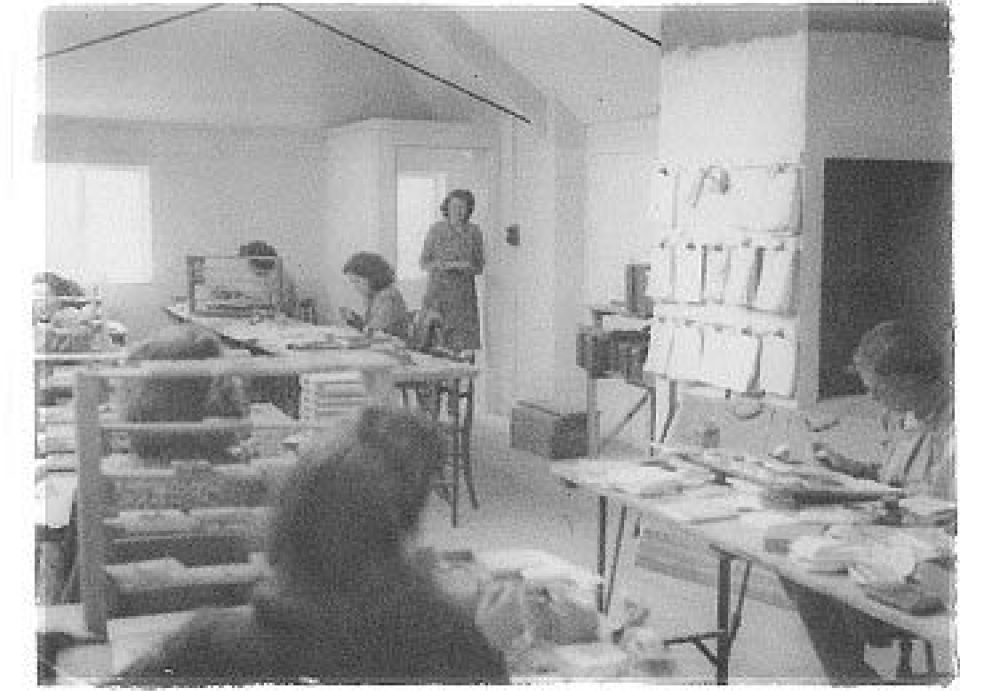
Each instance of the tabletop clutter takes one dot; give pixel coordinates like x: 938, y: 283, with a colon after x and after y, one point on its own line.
x: 899, y: 549
x: 541, y: 612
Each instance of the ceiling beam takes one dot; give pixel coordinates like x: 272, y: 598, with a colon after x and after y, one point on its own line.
x: 392, y: 57
x: 127, y: 32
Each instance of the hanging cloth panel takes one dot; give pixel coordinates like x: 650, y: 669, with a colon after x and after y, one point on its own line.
x: 778, y: 365
x: 768, y: 199
x: 776, y: 291
x: 685, y: 356
x: 660, y: 285
x: 729, y: 359
x: 663, y: 185
x: 660, y: 344
x: 716, y: 270
x: 741, y: 281
x: 689, y: 261
x: 713, y: 356
x: 744, y: 357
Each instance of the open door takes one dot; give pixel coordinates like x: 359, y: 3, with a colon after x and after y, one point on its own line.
x: 424, y: 175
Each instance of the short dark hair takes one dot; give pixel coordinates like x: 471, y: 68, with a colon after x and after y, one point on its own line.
x: 180, y: 398
x: 464, y: 195
x: 354, y: 498
x: 899, y: 349
x: 373, y: 267
x: 259, y: 249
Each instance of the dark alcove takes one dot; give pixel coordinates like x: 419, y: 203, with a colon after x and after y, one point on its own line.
x: 887, y: 254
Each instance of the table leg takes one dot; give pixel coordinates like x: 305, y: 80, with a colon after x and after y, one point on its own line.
x: 593, y: 419
x: 723, y: 643
x: 652, y: 419
x: 456, y: 448
x: 602, y: 534
x: 615, y: 558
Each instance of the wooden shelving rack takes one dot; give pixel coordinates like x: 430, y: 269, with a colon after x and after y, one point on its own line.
x: 108, y: 482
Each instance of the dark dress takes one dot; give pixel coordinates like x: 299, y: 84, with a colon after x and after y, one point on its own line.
x: 452, y: 293
x: 397, y: 634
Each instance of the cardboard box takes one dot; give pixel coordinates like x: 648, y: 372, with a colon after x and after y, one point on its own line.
x: 548, y: 430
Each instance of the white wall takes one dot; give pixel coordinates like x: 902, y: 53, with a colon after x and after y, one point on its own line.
x: 739, y: 103
x: 620, y: 158
x: 211, y: 190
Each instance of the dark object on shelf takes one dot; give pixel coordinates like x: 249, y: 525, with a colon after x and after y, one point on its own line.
x: 628, y: 354
x: 636, y: 279
x: 548, y: 430
x: 593, y: 350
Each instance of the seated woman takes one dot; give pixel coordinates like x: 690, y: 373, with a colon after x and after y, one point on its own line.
x: 901, y: 371
x: 263, y: 263
x: 384, y: 308
x: 182, y: 399
x: 347, y: 603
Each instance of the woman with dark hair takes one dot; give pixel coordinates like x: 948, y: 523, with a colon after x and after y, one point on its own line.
x: 263, y: 262
x: 903, y: 372
x: 181, y: 398
x: 453, y: 256
x: 346, y: 603
x: 384, y: 307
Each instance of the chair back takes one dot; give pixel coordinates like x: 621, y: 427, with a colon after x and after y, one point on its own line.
x: 424, y: 330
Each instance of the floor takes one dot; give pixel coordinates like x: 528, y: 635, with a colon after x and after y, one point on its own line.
x: 521, y: 506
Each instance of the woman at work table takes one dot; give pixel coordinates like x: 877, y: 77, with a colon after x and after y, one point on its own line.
x: 905, y: 375
x: 262, y: 259
x: 384, y: 307
x: 453, y: 255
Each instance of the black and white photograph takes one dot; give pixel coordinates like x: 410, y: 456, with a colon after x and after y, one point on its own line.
x: 477, y: 345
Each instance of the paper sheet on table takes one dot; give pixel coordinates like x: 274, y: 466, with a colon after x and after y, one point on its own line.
x: 778, y: 365
x: 742, y: 278
x: 646, y: 482
x: 660, y: 284
x: 698, y: 510
x: 776, y: 289
x: 764, y: 519
x: 824, y: 554
x: 685, y: 355
x: 689, y: 269
x: 661, y: 335
x: 536, y: 565
x: 716, y: 271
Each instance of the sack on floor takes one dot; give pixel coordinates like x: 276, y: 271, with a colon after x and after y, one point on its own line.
x: 515, y: 615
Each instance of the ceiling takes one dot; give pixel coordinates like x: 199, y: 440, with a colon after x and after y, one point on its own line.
x: 265, y: 66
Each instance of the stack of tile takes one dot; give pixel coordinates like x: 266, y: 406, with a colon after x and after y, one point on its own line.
x: 329, y: 396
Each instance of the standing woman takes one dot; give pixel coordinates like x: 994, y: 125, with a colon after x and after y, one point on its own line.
x: 453, y: 256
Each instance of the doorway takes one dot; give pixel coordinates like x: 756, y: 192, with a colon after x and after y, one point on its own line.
x: 424, y: 176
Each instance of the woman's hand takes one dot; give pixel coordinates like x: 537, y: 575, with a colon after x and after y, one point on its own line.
x: 350, y: 317
x: 829, y: 458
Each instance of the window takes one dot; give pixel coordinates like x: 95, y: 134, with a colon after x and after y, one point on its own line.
x: 97, y: 223
x: 418, y: 196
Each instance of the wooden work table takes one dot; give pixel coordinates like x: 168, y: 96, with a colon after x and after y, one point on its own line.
x: 733, y: 539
